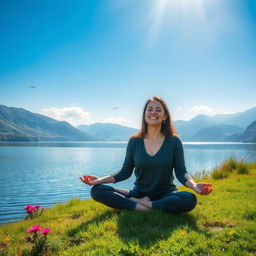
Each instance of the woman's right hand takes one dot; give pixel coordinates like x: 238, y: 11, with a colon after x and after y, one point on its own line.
x: 90, y: 180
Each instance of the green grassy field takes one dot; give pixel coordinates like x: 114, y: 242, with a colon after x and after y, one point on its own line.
x: 223, y: 223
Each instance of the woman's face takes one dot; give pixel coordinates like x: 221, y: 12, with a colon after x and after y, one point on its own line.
x: 154, y: 114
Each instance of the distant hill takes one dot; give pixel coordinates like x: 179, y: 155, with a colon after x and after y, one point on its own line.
x: 108, y: 131
x: 188, y: 130
x: 249, y: 135
x: 216, y: 133
x: 18, y: 124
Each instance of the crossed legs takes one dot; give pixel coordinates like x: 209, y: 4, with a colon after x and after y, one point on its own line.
x: 174, y: 202
x: 118, y: 198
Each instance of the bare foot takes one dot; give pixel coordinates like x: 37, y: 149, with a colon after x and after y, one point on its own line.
x: 140, y: 207
x: 146, y: 198
x: 145, y: 201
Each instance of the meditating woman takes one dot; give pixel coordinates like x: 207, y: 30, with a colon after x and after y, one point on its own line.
x: 154, y: 152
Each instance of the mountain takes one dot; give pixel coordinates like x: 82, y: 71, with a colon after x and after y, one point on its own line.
x: 108, y: 131
x: 242, y: 119
x: 18, y: 124
x: 249, y: 135
x: 216, y: 133
x: 189, y: 129
x: 9, y: 132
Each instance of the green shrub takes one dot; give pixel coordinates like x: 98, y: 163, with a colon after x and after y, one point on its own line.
x: 229, y: 164
x: 225, y: 168
x: 218, y: 174
x: 242, y: 168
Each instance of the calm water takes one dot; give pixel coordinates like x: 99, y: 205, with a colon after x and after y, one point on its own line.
x: 47, y: 173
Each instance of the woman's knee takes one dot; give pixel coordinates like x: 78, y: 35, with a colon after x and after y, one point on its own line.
x: 192, y: 201
x: 97, y: 190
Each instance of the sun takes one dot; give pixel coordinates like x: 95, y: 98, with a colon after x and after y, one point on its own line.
x: 174, y: 10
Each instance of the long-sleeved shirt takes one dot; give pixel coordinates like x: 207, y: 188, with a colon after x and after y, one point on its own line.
x: 154, y: 174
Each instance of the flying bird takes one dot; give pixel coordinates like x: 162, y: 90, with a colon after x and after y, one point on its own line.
x: 32, y: 85
x: 115, y: 108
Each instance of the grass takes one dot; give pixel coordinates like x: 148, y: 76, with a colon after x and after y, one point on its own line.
x: 228, y: 166
x: 223, y: 223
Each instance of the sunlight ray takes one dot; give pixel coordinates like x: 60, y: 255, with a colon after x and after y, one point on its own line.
x: 176, y: 10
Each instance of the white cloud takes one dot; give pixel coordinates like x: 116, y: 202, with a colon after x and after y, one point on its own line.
x: 116, y: 120
x: 201, y: 109
x: 73, y: 115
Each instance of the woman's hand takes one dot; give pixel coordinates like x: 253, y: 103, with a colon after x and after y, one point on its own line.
x: 203, y: 188
x: 90, y: 180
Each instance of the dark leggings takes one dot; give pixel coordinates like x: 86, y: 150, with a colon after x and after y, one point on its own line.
x: 174, y: 202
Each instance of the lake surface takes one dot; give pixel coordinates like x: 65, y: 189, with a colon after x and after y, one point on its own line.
x: 47, y: 173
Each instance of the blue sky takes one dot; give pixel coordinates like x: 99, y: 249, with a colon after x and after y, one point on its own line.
x: 86, y: 57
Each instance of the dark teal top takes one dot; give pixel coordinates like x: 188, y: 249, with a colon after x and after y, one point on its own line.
x: 154, y: 174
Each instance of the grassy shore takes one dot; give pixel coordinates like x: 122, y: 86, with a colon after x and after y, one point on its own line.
x: 223, y: 223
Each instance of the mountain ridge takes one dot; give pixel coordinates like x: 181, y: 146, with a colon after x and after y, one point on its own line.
x: 19, y: 124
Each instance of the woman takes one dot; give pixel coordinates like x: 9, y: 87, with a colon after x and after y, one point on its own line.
x: 154, y: 151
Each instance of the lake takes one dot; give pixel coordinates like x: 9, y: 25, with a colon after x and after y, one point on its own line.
x: 47, y: 173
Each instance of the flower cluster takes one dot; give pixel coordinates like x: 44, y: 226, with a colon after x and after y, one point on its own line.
x: 34, y: 229
x: 38, y: 236
x: 39, y: 242
x: 33, y: 211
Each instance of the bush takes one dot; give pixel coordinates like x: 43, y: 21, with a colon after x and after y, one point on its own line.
x: 229, y: 164
x: 227, y: 167
x: 242, y: 168
x: 218, y: 174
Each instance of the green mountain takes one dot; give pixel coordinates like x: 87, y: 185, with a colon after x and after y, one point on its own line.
x: 188, y: 130
x: 249, y: 135
x: 18, y: 124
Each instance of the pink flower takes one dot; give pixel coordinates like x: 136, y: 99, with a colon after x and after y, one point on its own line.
x: 28, y: 206
x: 31, y: 209
x: 45, y: 231
x: 34, y: 229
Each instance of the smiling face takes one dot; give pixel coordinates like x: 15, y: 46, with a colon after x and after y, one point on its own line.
x: 154, y: 114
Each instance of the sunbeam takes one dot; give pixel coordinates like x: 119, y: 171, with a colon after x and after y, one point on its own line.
x: 166, y: 12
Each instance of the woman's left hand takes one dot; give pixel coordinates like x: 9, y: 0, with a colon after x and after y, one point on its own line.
x: 88, y: 179
x: 203, y: 188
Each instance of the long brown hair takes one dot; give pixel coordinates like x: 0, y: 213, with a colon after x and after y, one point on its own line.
x: 167, y: 127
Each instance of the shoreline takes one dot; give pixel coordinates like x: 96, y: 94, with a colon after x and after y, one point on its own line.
x: 85, y: 227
